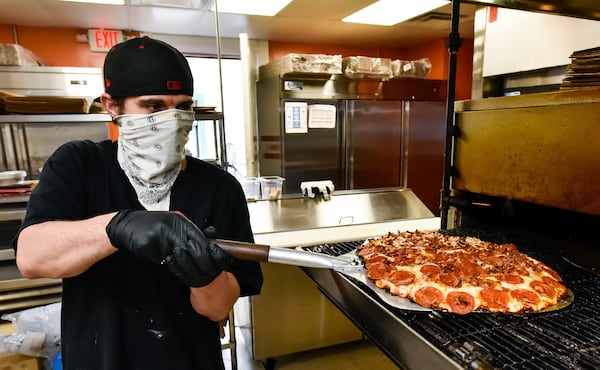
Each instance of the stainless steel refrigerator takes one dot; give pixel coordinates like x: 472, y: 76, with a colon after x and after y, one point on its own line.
x: 359, y: 133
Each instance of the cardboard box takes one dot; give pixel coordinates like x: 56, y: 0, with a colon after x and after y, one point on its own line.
x: 19, y: 362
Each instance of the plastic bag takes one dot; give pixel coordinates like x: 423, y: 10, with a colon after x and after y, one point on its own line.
x: 38, y: 332
x: 416, y: 68
x: 16, y: 55
x: 357, y: 67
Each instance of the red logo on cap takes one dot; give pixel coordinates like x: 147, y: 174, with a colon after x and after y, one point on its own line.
x: 174, y: 85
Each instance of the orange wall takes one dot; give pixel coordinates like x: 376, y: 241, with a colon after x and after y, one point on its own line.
x: 58, y: 46
x: 436, y: 51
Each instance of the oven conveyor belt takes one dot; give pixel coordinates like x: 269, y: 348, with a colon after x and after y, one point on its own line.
x: 568, y: 338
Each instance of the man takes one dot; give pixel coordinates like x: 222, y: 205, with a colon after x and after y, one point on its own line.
x: 120, y: 223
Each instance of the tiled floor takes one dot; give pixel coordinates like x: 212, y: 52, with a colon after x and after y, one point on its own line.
x: 357, y: 355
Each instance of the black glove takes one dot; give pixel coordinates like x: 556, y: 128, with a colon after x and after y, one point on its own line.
x: 152, y: 235
x: 197, y: 264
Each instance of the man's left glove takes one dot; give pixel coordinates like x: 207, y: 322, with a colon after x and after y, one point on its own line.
x: 196, y: 265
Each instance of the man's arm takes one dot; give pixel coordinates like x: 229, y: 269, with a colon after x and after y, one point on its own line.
x: 216, y: 299
x: 61, y: 249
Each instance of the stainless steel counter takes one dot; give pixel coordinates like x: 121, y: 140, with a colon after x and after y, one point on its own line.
x: 348, y: 207
x: 291, y: 315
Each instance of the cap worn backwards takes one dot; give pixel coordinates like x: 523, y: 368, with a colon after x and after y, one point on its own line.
x: 145, y: 66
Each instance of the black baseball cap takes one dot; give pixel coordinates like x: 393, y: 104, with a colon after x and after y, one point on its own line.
x: 146, y: 66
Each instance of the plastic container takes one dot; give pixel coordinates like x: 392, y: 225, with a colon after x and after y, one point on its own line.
x: 251, y: 187
x: 271, y: 187
x: 10, y: 178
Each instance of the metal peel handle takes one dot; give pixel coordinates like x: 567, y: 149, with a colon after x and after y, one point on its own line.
x: 244, y: 251
x: 286, y: 256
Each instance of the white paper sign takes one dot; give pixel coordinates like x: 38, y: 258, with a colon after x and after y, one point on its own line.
x: 296, y: 118
x: 321, y: 116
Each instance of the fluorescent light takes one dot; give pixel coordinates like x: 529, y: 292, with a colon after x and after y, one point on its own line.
x: 191, y: 4
x: 390, y: 12
x: 106, y: 2
x: 255, y: 7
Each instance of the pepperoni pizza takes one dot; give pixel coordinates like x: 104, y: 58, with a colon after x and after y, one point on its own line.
x: 460, y: 274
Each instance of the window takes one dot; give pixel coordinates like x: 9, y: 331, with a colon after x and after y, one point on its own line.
x: 207, y: 93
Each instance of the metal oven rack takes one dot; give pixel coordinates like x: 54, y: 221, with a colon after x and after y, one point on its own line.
x: 566, y: 338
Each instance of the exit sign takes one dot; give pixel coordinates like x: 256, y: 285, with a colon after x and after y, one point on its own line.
x: 103, y: 40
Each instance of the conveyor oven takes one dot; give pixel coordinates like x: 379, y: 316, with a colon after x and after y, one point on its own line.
x: 524, y: 170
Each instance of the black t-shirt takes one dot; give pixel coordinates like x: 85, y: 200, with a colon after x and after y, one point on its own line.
x: 123, y: 312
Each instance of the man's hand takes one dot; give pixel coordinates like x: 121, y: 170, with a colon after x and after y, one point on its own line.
x: 197, y: 264
x: 172, y: 239
x: 151, y: 235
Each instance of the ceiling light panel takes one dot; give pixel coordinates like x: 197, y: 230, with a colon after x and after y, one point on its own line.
x: 255, y: 7
x: 191, y: 4
x: 390, y: 12
x: 105, y: 2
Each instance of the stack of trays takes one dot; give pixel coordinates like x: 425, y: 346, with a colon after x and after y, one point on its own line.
x: 10, y: 103
x: 584, y: 69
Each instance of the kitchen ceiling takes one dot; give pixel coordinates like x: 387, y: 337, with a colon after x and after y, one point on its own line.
x: 306, y: 21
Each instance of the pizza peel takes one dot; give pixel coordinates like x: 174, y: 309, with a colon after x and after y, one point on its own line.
x: 348, y: 264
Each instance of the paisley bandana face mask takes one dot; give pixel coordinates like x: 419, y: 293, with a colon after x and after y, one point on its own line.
x: 151, y: 148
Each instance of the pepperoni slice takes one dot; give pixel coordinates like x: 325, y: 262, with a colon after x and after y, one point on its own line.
x: 495, y: 300
x: 527, y: 297
x: 519, y: 270
x: 451, y: 280
x: 471, y: 269
x: 511, y: 278
x: 552, y: 272
x: 431, y: 270
x: 560, y: 288
x: 495, y: 261
x: 487, y: 283
x: 401, y: 277
x: 429, y: 296
x: 377, y: 271
x: 460, y: 302
x: 543, y: 289
x: 367, y: 250
x: 375, y: 258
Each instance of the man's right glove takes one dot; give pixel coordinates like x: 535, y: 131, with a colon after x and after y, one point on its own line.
x: 151, y: 235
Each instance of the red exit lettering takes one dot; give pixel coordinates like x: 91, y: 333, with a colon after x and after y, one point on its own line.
x: 103, y: 40
x: 106, y: 39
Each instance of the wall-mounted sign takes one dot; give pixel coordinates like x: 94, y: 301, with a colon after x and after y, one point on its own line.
x: 103, y: 40
x: 296, y: 121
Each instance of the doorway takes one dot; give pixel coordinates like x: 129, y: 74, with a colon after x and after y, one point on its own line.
x: 207, y: 94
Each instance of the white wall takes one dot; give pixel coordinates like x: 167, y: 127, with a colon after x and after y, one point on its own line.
x: 521, y: 41
x: 198, y: 45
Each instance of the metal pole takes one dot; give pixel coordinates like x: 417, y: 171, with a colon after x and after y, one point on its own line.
x: 454, y: 43
x: 223, y: 147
